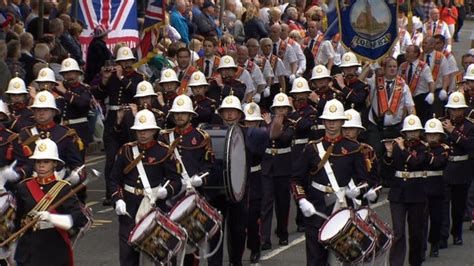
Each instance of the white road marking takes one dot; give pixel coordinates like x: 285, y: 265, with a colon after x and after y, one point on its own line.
x: 91, y: 203
x: 300, y: 239
x: 105, y: 210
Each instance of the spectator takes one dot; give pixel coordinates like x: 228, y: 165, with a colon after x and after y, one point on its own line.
x: 13, y: 55
x: 427, y: 6
x: 58, y: 52
x: 293, y: 22
x: 275, y: 17
x: 206, y: 25
x: 196, y: 9
x: 264, y: 13
x: 254, y: 27
x: 179, y: 22
x: 33, y: 25
x: 67, y: 40
x: 449, y: 14
x: 42, y: 53
x: 34, y: 4
x: 236, y: 28
x: 27, y: 59
x: 97, y: 53
x: 75, y: 31
x: 6, y: 75
x: 461, y: 16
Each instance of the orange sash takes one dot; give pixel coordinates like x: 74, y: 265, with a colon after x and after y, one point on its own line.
x: 200, y: 65
x: 250, y: 66
x: 184, y: 82
x: 282, y: 49
x: 437, y: 30
x: 416, y: 76
x: 437, y: 65
x: 317, y: 44
x: 238, y: 72
x: 382, y: 97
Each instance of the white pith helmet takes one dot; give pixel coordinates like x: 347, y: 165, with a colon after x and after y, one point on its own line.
x: 144, y: 120
x: 46, y: 149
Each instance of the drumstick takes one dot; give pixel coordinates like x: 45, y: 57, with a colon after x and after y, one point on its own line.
x: 166, y: 183
x: 362, y: 186
x: 378, y: 188
x: 204, y: 175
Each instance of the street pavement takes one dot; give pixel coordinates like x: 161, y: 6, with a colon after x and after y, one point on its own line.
x: 100, y: 245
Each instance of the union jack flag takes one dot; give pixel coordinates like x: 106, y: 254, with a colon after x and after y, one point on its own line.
x: 119, y: 16
x: 154, y: 17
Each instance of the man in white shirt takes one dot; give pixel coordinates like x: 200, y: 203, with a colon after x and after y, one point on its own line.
x: 284, y: 51
x: 439, y: 71
x: 440, y: 46
x: 401, y: 44
x: 301, y: 59
x: 278, y: 69
x: 436, y: 26
x: 317, y: 48
x: 417, y: 75
x: 251, y: 66
x: 389, y: 105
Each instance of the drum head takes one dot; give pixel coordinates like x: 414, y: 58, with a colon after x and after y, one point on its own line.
x: 334, y: 224
x: 141, y: 228
x: 182, y: 207
x: 363, y: 213
x: 235, y: 164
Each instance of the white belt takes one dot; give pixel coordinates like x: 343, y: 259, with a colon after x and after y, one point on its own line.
x: 139, y: 191
x: 255, y: 168
x: 325, y: 189
x: 414, y: 174
x: 458, y: 158
x: 318, y: 127
x: 300, y: 141
x: 275, y: 151
x: 434, y: 173
x: 75, y: 121
x: 113, y: 107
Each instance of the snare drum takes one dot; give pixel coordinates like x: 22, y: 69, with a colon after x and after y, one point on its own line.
x: 348, y: 236
x: 197, y: 217
x: 158, y: 237
x: 382, y: 230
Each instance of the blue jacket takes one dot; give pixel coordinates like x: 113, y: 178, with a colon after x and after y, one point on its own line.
x: 180, y: 24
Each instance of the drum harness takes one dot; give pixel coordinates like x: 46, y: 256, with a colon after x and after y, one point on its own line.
x: 338, y: 191
x: 189, y: 188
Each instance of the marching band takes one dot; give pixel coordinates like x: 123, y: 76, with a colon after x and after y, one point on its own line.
x: 210, y: 149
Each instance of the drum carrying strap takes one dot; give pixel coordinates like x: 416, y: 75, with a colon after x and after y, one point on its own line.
x: 341, y: 198
x: 184, y: 173
x: 148, y: 201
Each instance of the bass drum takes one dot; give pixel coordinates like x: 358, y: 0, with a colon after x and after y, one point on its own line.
x: 228, y: 144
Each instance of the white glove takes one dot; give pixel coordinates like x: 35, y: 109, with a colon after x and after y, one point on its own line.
x: 429, y: 98
x: 196, y: 181
x: 62, y: 221
x: 292, y: 77
x: 74, y: 178
x: 352, y: 193
x: 120, y: 207
x: 371, y: 195
x: 257, y: 97
x: 266, y: 92
x: 443, y: 95
x: 299, y: 73
x: 306, y: 207
x: 2, y: 182
x: 9, y: 173
x: 162, y: 193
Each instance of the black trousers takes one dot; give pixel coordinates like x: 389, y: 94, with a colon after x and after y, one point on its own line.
x: 112, y: 145
x: 253, y: 225
x: 276, y: 191
x: 235, y: 225
x: 403, y: 213
x: 433, y: 218
x: 454, y: 205
x: 316, y: 253
x: 128, y: 255
x: 423, y: 109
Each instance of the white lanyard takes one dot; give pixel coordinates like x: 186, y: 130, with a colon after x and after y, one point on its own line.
x: 142, y: 173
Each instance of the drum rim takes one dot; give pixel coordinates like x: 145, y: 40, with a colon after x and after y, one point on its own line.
x: 232, y: 195
x: 351, y: 212
x: 179, y: 203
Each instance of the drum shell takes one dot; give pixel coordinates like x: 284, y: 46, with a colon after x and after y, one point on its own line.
x: 382, y: 230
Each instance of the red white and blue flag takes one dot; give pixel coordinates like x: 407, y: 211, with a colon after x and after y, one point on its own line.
x: 154, y: 18
x: 118, y: 16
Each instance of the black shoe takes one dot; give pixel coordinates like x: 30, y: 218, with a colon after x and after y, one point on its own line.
x: 443, y: 243
x: 434, y: 251
x: 255, y: 256
x: 301, y: 229
x: 457, y: 241
x: 107, y: 202
x: 283, y: 242
x: 266, y: 246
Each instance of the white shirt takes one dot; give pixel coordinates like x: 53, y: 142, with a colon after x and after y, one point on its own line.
x: 453, y: 68
x: 339, y: 51
x: 406, y: 101
x: 401, y: 44
x: 325, y: 52
x: 423, y: 82
x: 288, y: 58
x: 257, y: 75
x: 247, y: 80
x: 266, y: 70
x: 211, y: 65
x: 278, y: 71
x: 443, y: 69
x: 428, y: 28
x: 417, y: 38
x: 300, y: 57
